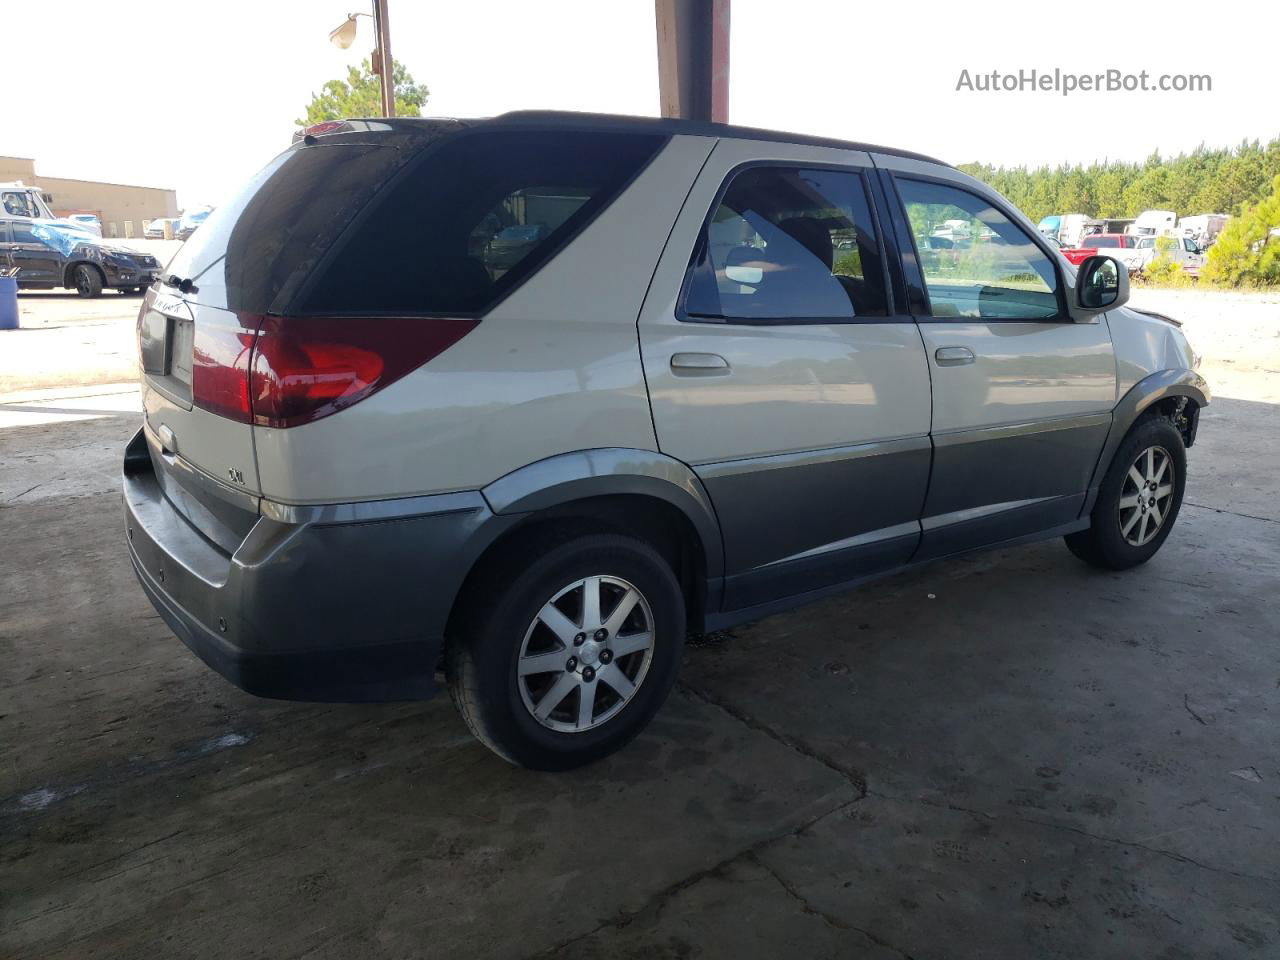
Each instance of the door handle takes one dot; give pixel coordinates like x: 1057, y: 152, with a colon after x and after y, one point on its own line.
x: 953, y: 356
x: 699, y: 365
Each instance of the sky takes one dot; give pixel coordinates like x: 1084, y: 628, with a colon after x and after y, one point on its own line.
x: 196, y: 95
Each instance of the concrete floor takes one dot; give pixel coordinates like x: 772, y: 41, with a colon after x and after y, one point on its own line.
x: 1009, y: 755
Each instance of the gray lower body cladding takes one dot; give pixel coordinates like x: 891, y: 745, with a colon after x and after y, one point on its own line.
x: 340, y: 611
x: 796, y: 522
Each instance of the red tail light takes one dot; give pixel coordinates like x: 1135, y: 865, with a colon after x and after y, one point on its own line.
x: 305, y: 368
x: 286, y: 371
x: 220, y: 367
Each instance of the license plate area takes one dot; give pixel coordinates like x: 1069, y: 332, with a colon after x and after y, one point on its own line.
x: 165, y: 343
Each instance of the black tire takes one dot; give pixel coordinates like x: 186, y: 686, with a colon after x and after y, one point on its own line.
x: 481, y: 659
x: 1104, y: 544
x: 87, y: 280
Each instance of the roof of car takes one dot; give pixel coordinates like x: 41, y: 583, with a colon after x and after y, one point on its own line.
x: 667, y: 126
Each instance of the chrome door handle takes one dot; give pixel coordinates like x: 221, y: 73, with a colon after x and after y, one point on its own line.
x: 953, y: 356
x: 699, y: 365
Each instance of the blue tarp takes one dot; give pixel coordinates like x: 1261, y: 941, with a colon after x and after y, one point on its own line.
x: 63, y: 239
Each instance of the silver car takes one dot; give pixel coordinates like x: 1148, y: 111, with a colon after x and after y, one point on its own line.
x: 723, y: 373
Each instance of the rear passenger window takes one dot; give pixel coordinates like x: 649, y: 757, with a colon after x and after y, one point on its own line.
x: 481, y: 212
x: 976, y: 263
x: 789, y: 245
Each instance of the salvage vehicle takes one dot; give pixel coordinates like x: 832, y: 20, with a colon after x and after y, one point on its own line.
x: 719, y: 382
x: 1123, y: 246
x: 188, y: 223
x: 1203, y: 228
x: 154, y: 229
x: 1153, y: 223
x: 1068, y: 229
x: 1184, y: 251
x: 49, y: 254
x: 17, y: 199
x: 89, y: 221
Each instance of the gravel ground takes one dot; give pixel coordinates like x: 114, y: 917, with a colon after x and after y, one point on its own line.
x: 1006, y: 755
x: 1238, y: 334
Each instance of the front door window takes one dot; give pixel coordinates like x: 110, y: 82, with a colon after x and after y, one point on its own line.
x: 976, y: 263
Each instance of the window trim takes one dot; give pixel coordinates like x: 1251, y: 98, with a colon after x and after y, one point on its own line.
x: 859, y: 171
x: 998, y: 203
x: 411, y: 168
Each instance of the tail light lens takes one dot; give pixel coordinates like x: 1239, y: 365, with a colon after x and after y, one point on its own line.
x: 286, y: 371
x: 220, y: 354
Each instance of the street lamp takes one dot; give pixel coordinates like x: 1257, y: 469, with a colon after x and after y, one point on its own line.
x: 344, y: 34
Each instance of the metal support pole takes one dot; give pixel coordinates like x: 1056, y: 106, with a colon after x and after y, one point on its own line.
x: 693, y: 58
x: 382, y: 57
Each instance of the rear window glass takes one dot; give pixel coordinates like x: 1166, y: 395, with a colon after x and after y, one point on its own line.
x: 475, y: 217
x: 1105, y: 242
x: 263, y: 242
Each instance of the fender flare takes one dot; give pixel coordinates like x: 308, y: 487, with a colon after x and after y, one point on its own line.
x: 611, y: 471
x: 69, y: 272
x: 1149, y: 390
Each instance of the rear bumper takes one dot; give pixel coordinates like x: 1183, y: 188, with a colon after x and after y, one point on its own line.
x: 337, y: 603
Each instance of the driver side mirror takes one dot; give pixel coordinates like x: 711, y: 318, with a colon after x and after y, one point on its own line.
x: 1102, y: 283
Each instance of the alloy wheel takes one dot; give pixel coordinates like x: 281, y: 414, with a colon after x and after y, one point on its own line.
x: 585, y: 654
x: 1146, y: 496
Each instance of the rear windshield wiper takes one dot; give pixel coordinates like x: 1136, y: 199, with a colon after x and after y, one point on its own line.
x: 185, y: 284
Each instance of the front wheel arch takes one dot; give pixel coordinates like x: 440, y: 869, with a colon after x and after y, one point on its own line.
x: 69, y: 274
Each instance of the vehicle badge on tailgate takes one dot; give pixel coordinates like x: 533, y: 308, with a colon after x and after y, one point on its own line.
x: 235, y: 475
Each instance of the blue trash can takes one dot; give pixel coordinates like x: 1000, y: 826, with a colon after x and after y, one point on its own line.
x: 8, y: 303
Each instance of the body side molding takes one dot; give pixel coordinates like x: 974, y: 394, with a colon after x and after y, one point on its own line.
x: 611, y: 471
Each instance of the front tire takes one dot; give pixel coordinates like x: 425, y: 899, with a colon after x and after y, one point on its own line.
x: 1139, y: 499
x: 88, y: 281
x: 565, y: 649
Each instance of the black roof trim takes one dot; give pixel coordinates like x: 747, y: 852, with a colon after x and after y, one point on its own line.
x: 670, y: 127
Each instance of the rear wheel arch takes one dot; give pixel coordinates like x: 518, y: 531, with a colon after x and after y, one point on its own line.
x: 650, y: 519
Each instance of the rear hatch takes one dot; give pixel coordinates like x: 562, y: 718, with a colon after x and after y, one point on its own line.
x: 197, y: 327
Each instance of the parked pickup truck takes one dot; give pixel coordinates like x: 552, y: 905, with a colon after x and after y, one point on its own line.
x: 1124, y: 247
x: 1136, y: 253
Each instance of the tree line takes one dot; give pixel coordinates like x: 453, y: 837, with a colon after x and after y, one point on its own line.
x: 1227, y: 180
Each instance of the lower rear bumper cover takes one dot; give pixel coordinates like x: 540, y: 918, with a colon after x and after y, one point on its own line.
x: 310, y: 607
x: 398, y: 671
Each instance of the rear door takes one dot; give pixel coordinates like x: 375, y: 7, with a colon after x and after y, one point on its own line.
x: 1022, y: 396
x: 781, y: 370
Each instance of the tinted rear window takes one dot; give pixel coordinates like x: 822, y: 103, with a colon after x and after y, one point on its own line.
x: 474, y: 217
x: 253, y: 251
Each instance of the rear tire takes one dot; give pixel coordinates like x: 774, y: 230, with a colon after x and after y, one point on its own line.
x: 531, y: 611
x: 87, y: 280
x: 1139, y: 499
